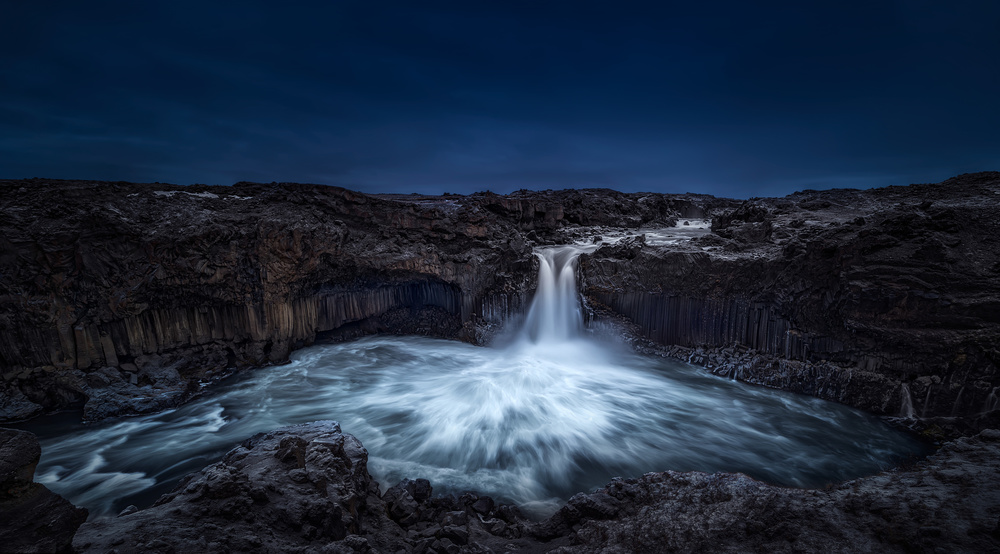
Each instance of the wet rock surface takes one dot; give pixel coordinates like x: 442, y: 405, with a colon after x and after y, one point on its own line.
x: 34, y: 519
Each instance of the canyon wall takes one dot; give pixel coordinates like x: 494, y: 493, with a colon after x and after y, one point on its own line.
x: 129, y: 297
x: 888, y: 300
x: 173, y: 286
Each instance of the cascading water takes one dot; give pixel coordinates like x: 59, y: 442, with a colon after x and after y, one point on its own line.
x: 906, y: 407
x: 549, y: 414
x: 555, y: 315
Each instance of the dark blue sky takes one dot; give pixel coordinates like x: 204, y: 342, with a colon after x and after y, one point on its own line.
x: 729, y: 98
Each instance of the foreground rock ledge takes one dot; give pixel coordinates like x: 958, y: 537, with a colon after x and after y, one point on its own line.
x: 32, y: 518
x: 306, y: 488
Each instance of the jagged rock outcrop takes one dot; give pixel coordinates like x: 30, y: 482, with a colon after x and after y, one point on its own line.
x: 304, y: 488
x: 948, y: 503
x: 32, y: 518
x: 546, y: 211
x: 125, y: 298
x: 886, y: 299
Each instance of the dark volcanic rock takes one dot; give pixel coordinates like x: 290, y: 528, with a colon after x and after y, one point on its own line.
x: 174, y: 286
x: 948, y: 503
x: 290, y: 488
x: 32, y: 518
x: 306, y: 489
x: 303, y: 488
x: 882, y: 299
x: 749, y: 223
x: 123, y: 298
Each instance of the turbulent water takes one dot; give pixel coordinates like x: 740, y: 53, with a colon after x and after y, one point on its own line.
x: 553, y: 412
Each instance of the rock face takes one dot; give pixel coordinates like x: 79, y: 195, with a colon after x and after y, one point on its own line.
x: 34, y: 519
x: 886, y: 299
x: 125, y: 297
x: 304, y: 488
x: 949, y: 503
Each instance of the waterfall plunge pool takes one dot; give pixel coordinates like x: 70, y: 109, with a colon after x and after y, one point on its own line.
x: 554, y: 412
x: 532, y: 424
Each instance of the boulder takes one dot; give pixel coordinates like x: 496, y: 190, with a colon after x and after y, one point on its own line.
x: 32, y: 518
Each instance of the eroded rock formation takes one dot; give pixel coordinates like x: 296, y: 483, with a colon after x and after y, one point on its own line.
x: 124, y: 298
x: 886, y: 299
x: 32, y: 518
x: 304, y: 488
x: 947, y: 503
x: 307, y: 488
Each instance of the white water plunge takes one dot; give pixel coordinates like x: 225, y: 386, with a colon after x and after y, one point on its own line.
x: 555, y: 315
x: 552, y: 413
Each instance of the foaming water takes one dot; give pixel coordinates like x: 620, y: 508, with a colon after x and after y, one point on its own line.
x: 548, y: 415
x: 555, y: 314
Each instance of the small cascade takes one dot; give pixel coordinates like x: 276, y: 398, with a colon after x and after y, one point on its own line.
x: 992, y: 401
x: 555, y: 314
x: 958, y: 402
x: 927, y: 402
x: 906, y: 409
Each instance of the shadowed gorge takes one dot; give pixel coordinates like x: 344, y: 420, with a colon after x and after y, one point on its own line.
x: 229, y: 307
x: 553, y: 411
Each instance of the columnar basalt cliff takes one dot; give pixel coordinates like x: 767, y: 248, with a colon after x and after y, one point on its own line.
x: 170, y: 285
x: 888, y: 299
x: 126, y: 296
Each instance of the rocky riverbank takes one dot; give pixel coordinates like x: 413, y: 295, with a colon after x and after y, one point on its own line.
x: 307, y: 489
x: 32, y: 518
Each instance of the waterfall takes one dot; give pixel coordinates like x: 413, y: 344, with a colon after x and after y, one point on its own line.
x: 992, y: 401
x: 958, y: 402
x: 906, y: 410
x: 555, y: 314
